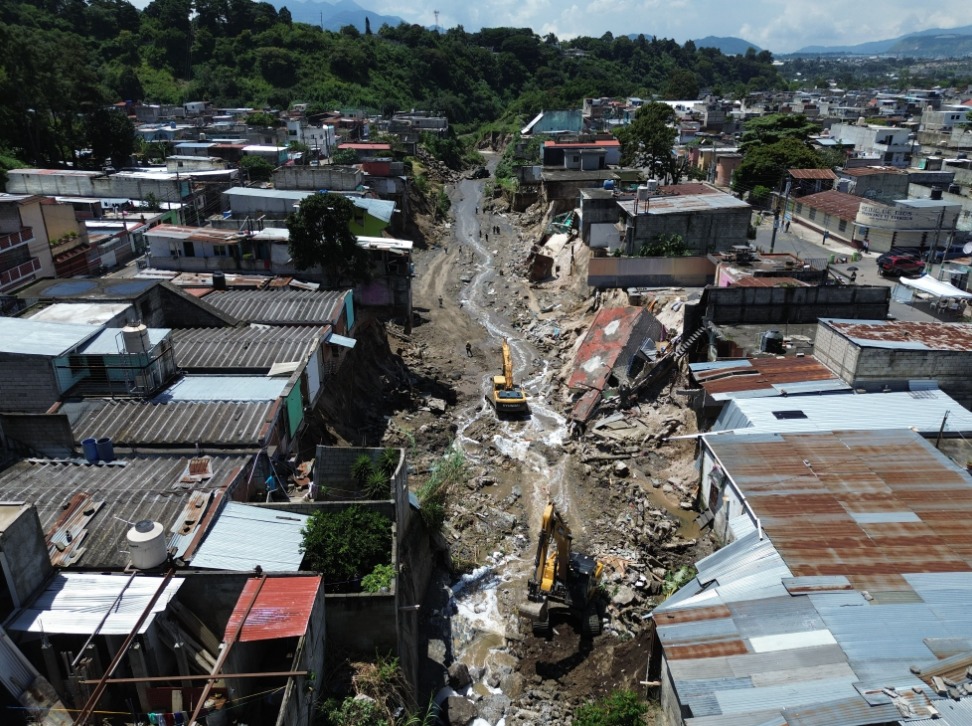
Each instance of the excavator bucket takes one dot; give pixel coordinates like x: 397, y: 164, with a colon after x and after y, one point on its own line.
x: 534, y: 610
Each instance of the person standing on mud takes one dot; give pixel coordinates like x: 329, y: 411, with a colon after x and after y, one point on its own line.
x: 469, y: 350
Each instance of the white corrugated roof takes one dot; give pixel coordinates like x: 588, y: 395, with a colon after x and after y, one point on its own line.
x: 245, y: 536
x: 74, y: 603
x: 922, y: 411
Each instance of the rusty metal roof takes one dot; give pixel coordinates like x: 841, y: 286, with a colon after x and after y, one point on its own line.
x: 841, y: 205
x: 751, y: 281
x: 905, y: 334
x: 282, y: 608
x: 812, y: 174
x: 809, y: 490
x: 85, y: 509
x: 755, y: 377
x: 860, y: 581
x: 872, y: 170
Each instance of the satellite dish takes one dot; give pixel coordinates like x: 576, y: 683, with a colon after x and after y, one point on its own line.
x: 968, y: 248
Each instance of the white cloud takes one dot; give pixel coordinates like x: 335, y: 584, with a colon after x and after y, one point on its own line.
x: 778, y: 25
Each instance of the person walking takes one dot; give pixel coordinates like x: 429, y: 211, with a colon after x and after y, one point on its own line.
x: 866, y: 246
x: 826, y: 235
x: 440, y: 301
x: 786, y: 227
x: 469, y: 350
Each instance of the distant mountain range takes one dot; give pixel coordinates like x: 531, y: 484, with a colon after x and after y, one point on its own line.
x: 334, y: 16
x: 931, y: 43
x: 728, y: 45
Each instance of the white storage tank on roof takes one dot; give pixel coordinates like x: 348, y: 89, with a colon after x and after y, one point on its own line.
x: 146, y: 545
x: 136, y: 338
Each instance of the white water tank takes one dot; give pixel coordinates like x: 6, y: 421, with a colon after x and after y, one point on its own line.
x: 136, y: 339
x: 652, y: 185
x: 643, y: 193
x: 146, y: 545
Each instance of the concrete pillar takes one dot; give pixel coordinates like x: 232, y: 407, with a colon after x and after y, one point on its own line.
x: 52, y: 668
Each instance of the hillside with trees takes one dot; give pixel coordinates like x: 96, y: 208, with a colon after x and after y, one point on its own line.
x: 61, y: 60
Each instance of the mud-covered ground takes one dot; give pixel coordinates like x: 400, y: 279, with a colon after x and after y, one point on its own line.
x: 624, y: 489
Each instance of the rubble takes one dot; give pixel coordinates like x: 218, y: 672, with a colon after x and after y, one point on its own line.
x: 622, y: 483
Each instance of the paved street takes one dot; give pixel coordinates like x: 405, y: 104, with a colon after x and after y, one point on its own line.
x: 808, y: 244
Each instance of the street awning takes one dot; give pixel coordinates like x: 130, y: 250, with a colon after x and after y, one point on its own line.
x: 936, y: 288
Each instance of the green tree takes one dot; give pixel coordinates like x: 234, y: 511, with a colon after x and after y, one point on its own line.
x: 346, y: 157
x: 320, y: 235
x: 347, y: 545
x: 648, y: 140
x: 111, y: 135
x: 765, y: 165
x: 769, y: 129
x: 257, y: 168
x: 683, y: 85
x: 621, y: 708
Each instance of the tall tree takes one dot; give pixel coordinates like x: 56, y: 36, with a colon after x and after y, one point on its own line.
x: 765, y: 165
x: 648, y: 140
x: 320, y: 235
x: 765, y: 130
x: 111, y: 135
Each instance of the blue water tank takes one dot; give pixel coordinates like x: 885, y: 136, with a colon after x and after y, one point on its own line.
x: 609, y: 184
x: 106, y: 450
x: 90, y: 447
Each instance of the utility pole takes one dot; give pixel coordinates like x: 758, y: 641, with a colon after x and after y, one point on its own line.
x: 436, y: 13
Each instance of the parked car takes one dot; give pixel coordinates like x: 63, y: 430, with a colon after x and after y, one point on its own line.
x: 898, y: 265
x: 951, y: 252
x: 902, y: 251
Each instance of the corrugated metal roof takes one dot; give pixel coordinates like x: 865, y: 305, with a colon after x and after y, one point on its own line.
x: 951, y: 713
x: 223, y: 388
x: 683, y: 204
x: 132, y: 489
x: 25, y: 336
x: 845, y: 712
x: 904, y: 334
x: 833, y: 508
x: 75, y: 602
x: 281, y: 307
x: 812, y: 174
x: 230, y: 424
x: 245, y: 536
x: 250, y: 348
x: 757, y: 377
x: 840, y: 204
x: 282, y: 608
x: 865, y: 412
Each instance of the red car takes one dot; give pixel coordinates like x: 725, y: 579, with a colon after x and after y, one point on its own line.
x: 898, y: 265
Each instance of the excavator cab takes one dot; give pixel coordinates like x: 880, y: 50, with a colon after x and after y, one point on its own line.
x: 563, y: 579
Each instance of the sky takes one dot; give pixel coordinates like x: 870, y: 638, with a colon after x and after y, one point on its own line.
x: 780, y: 26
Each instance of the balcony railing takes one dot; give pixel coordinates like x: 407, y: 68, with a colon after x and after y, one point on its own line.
x: 15, y: 239
x: 19, y: 274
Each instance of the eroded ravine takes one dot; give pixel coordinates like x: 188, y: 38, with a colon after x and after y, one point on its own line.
x: 480, y: 621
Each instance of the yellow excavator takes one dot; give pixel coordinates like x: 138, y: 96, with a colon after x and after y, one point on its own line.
x: 507, y: 397
x: 565, y: 579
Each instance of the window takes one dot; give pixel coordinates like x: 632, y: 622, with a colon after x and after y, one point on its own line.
x: 188, y: 249
x: 799, y: 208
x: 813, y: 213
x: 219, y: 250
x: 842, y: 227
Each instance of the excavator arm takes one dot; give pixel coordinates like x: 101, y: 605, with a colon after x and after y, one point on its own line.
x: 507, y: 366
x: 553, y: 553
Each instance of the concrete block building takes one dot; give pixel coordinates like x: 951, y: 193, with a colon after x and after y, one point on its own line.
x: 886, y: 354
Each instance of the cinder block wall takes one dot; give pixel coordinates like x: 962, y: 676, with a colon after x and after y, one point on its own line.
x: 27, y: 383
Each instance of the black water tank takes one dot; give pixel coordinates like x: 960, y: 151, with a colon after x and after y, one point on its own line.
x: 219, y: 279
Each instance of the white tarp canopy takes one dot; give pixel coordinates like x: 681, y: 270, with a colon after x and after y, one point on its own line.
x: 936, y: 288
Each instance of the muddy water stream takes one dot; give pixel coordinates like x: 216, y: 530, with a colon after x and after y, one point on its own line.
x: 478, y: 626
